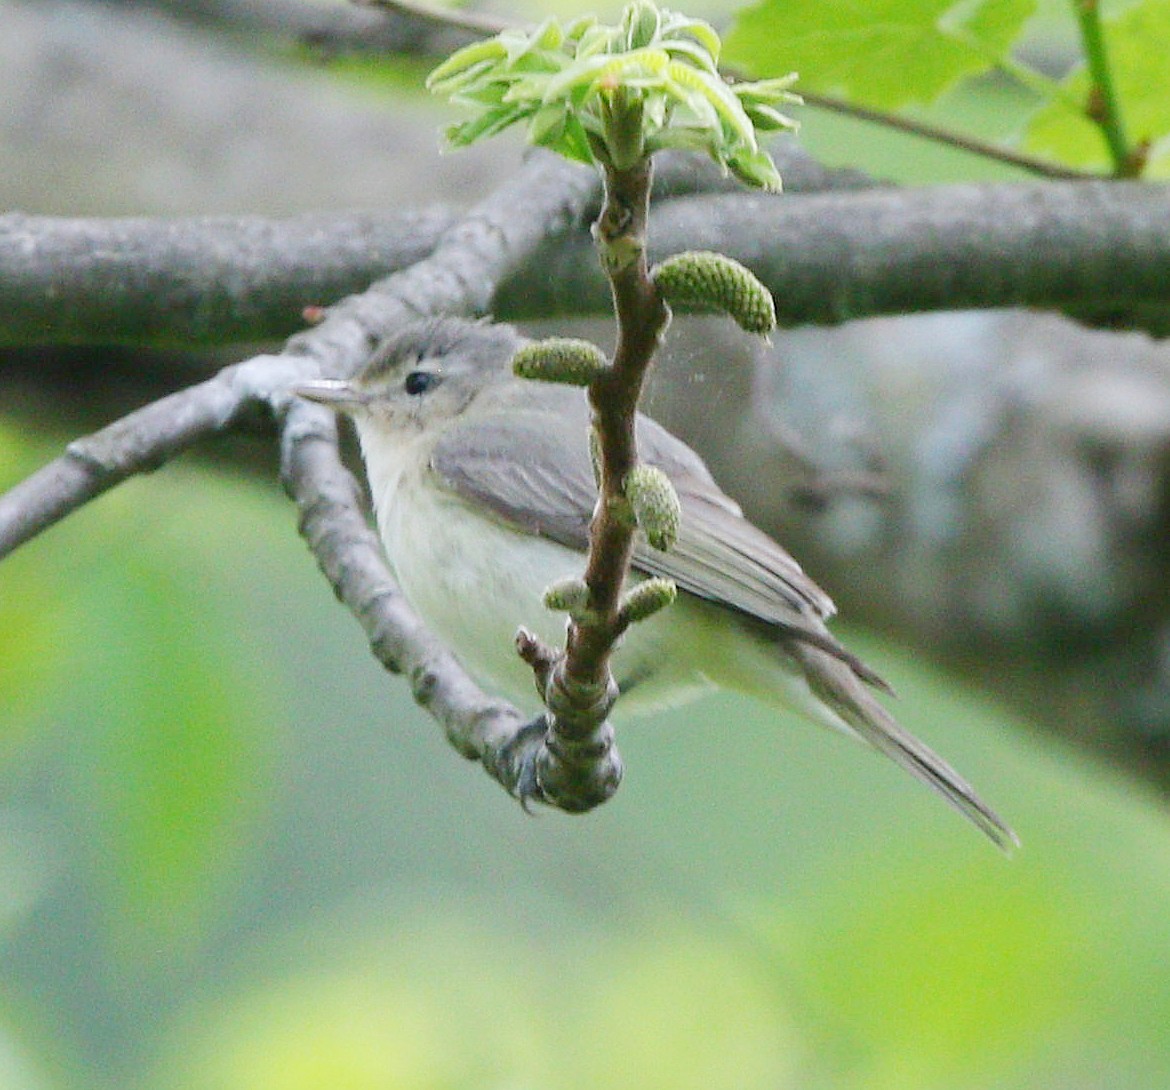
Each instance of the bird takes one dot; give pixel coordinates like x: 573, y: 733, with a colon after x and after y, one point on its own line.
x: 483, y: 489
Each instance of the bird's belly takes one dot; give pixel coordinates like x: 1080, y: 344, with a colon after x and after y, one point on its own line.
x: 475, y: 582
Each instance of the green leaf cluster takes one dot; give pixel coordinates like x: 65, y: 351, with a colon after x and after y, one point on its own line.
x: 891, y: 54
x: 610, y: 95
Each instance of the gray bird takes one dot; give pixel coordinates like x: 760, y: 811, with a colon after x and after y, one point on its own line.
x: 483, y: 490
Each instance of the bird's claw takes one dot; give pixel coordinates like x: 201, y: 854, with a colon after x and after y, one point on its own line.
x: 522, y: 753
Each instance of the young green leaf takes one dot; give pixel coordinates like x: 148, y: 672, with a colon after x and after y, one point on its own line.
x: 612, y: 94
x: 883, y: 53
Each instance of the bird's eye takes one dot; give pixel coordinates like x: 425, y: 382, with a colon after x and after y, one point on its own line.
x: 419, y: 382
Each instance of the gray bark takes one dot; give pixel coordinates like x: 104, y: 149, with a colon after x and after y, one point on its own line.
x: 1099, y: 248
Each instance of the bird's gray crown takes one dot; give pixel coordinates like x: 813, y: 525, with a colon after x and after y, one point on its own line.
x: 477, y: 344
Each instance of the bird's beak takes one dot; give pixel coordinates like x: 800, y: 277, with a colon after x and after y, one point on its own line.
x: 335, y: 393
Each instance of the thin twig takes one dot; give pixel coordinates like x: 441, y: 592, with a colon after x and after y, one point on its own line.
x: 950, y: 138
x: 138, y: 443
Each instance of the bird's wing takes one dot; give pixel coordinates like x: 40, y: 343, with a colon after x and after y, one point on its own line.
x: 531, y: 469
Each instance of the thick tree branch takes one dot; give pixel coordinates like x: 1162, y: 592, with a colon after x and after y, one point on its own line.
x: 329, y: 26
x: 1097, y: 251
x: 200, y: 281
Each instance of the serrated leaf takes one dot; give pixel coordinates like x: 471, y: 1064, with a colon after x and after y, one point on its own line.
x: 756, y: 168
x: 676, y: 26
x: 577, y: 29
x: 766, y: 119
x: 721, y: 98
x: 547, y: 124
x: 693, y: 110
x: 480, y: 95
x: 656, y: 109
x: 1136, y: 44
x: 778, y: 89
x: 518, y: 42
x: 596, y: 39
x: 642, y: 23
x: 487, y: 124
x: 478, y: 55
x: 884, y: 53
x: 641, y: 66
x: 682, y: 139
x: 696, y: 54
x: 549, y: 35
x: 574, y: 142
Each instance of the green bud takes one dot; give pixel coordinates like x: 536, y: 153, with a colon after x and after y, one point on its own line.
x: 712, y: 280
x: 560, y: 359
x: 656, y: 505
x: 569, y: 595
x: 646, y: 599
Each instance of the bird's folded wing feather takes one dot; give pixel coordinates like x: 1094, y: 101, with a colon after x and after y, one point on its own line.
x: 535, y: 475
x: 532, y: 470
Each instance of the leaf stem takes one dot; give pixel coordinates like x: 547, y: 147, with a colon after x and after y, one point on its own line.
x: 1103, y: 108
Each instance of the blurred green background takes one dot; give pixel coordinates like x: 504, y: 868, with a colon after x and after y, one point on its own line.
x: 235, y: 856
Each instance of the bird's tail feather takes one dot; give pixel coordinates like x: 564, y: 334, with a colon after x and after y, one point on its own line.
x: 843, y: 691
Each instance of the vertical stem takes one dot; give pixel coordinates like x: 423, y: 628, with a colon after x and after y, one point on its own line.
x: 578, y: 766
x: 620, y: 233
x: 1103, y: 108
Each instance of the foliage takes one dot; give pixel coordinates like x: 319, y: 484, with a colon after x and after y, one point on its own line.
x: 569, y: 84
x: 886, y: 53
x: 889, y: 54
